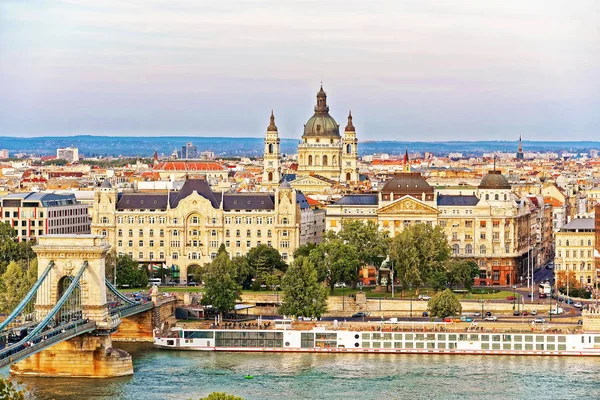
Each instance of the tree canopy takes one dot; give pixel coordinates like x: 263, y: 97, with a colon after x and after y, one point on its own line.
x: 462, y: 273
x: 221, y: 288
x: 221, y: 396
x: 15, y: 282
x: 419, y: 253
x: 444, y: 304
x: 335, y: 261
x: 8, y: 391
x: 303, y: 293
x: 10, y: 250
x: 129, y: 273
x: 371, y: 244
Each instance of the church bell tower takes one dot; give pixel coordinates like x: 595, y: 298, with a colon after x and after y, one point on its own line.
x: 349, y: 153
x: 272, y: 155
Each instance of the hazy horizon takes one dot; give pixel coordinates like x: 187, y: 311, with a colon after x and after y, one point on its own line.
x: 415, y: 70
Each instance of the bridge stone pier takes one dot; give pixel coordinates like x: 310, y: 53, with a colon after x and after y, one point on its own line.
x: 89, y: 355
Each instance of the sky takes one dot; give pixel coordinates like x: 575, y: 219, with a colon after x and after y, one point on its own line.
x: 427, y: 70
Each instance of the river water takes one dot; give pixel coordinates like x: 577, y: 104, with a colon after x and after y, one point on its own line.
x: 164, y: 374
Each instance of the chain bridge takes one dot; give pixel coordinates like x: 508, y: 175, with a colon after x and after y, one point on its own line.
x: 63, y: 326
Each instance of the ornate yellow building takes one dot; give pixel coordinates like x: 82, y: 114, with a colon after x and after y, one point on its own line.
x: 185, y: 228
x: 487, y: 224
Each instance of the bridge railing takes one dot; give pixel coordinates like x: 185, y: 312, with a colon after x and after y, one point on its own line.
x: 44, y: 340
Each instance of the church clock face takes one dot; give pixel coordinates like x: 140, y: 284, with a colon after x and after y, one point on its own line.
x: 270, y: 163
x: 347, y: 163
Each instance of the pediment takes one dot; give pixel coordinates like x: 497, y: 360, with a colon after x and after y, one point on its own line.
x: 408, y: 205
x: 309, y: 180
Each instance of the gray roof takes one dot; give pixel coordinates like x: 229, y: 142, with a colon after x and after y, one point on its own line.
x: 358, y: 200
x: 106, y: 185
x: 199, y: 186
x: 579, y: 224
x: 36, y: 198
x: 248, y: 201
x: 457, y: 200
x: 131, y: 201
x: 301, y: 200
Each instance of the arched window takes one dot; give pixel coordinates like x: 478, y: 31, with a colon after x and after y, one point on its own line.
x: 310, y: 160
x: 348, y: 177
x: 104, y: 220
x: 130, y: 233
x: 504, y: 197
x: 469, y: 249
x: 496, y: 197
x: 334, y: 160
x: 455, y: 249
x: 487, y: 196
x: 566, y: 242
x: 506, y: 248
x: 120, y: 233
x: 482, y: 249
x: 348, y: 148
x: 581, y: 242
x: 559, y: 242
x: 270, y: 177
x: 270, y: 148
x: 325, y: 160
x: 589, y: 242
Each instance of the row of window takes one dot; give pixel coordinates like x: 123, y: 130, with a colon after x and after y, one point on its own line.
x: 568, y: 243
x: 568, y: 253
x: 469, y: 249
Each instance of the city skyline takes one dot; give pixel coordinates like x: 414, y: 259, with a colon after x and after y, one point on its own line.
x: 410, y: 71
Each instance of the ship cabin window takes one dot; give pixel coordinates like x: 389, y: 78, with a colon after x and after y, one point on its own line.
x: 198, y: 334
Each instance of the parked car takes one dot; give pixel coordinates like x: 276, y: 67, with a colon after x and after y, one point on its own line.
x: 516, y: 313
x: 424, y: 297
x: 510, y: 298
x: 360, y: 314
x: 539, y: 321
x: 533, y: 312
x: 577, y: 304
x: 556, y: 311
x: 525, y: 313
x: 491, y: 318
x: 192, y: 283
x: 425, y: 314
x: 477, y: 314
x: 340, y: 285
x: 171, y: 283
x: 488, y: 313
x: 448, y: 319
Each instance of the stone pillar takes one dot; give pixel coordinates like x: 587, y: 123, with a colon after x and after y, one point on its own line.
x: 84, y: 356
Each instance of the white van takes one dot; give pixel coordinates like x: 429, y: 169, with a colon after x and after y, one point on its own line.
x: 154, y: 281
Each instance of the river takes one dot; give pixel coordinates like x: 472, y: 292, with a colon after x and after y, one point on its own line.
x: 164, y: 374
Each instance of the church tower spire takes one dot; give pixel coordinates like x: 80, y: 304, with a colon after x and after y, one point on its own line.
x: 520, y: 155
x: 406, y: 167
x: 271, y: 157
x: 349, y: 153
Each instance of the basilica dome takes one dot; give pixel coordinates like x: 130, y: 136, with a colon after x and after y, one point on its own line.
x: 321, y: 124
x: 494, y: 180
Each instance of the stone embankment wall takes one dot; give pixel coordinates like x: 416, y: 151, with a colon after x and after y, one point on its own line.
x: 346, y: 306
x: 139, y: 327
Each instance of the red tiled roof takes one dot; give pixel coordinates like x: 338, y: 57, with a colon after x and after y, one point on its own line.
x: 312, y: 202
x: 188, y: 166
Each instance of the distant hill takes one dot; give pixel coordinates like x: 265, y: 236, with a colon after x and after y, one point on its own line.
x: 252, y: 147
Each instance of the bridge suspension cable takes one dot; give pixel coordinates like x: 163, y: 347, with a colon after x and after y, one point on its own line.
x: 116, y: 292
x: 30, y: 296
x: 55, y: 310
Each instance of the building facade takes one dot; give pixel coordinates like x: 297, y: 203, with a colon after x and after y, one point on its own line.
x: 272, y: 157
x: 185, y: 228
x: 35, y: 214
x: 323, y: 151
x: 487, y: 224
x: 68, y: 153
x: 575, y: 244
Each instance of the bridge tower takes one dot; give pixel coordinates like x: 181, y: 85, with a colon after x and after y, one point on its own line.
x: 87, y: 355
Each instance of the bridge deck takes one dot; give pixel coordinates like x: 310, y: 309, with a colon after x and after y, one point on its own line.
x: 44, y: 340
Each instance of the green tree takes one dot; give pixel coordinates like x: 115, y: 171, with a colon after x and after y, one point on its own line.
x: 304, y: 250
x: 371, y: 244
x: 109, y: 263
x: 221, y: 288
x: 303, y: 293
x: 463, y: 273
x: 221, y: 396
x: 444, y: 304
x: 129, y: 273
x: 8, y: 391
x: 438, y: 280
x: 419, y: 252
x: 13, y: 287
x: 335, y: 261
x: 58, y: 162
x: 8, y: 245
x: 244, y: 272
